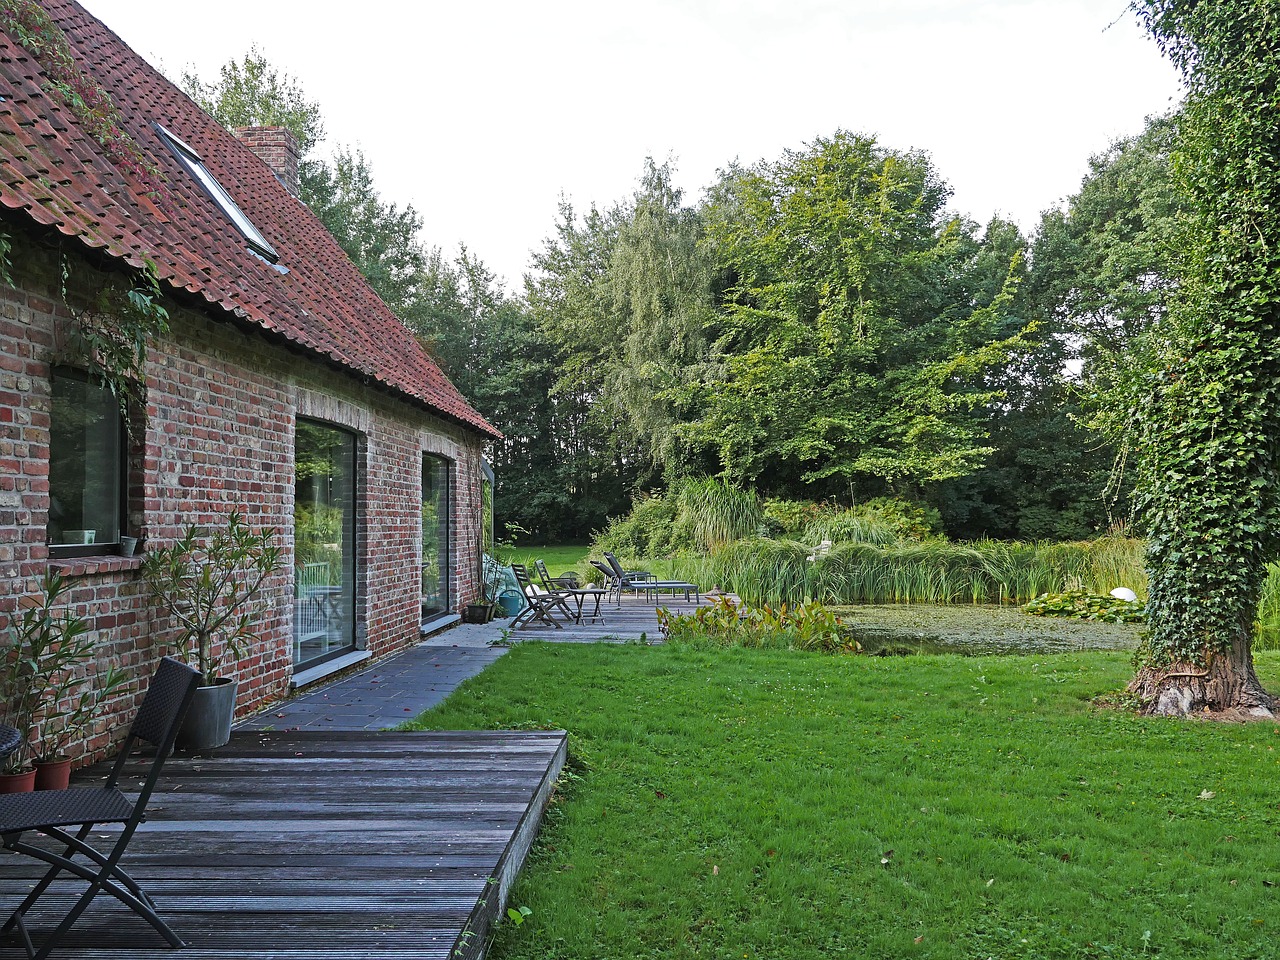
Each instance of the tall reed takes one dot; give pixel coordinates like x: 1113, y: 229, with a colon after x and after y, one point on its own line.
x: 1267, y: 635
x: 717, y: 513
x: 936, y: 571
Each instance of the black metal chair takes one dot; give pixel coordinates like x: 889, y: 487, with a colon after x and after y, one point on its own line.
x: 626, y: 579
x: 51, y: 812
x: 612, y: 582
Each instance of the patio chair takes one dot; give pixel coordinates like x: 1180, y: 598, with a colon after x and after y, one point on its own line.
x: 627, y: 579
x: 612, y: 581
x: 53, y: 812
x: 541, y: 604
x: 641, y: 581
x: 566, y: 581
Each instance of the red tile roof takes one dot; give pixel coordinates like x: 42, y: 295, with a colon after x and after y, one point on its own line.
x: 55, y: 173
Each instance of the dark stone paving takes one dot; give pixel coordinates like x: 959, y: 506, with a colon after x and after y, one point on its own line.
x: 385, y: 695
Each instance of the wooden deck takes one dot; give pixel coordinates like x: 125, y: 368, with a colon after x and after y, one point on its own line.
x: 399, y: 846
x: 635, y: 619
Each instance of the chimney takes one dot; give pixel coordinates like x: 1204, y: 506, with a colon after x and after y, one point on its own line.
x: 277, y: 148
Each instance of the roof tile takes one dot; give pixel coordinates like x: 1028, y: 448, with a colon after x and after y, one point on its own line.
x: 55, y: 173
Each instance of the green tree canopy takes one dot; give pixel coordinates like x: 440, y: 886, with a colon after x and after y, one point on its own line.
x: 861, y: 322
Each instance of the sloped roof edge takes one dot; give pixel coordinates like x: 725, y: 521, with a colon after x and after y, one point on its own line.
x: 55, y: 173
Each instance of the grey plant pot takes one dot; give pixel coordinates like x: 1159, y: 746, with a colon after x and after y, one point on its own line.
x: 208, y: 721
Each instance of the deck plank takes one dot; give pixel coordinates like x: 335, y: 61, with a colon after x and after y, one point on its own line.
x: 633, y: 620
x: 323, y: 845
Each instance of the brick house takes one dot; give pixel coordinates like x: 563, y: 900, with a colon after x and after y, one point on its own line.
x: 284, y: 389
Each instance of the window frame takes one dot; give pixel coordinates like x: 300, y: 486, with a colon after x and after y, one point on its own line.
x: 444, y: 538
x: 110, y: 547
x: 194, y: 165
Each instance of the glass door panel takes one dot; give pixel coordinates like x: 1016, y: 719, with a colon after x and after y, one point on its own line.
x: 436, y: 567
x: 324, y: 540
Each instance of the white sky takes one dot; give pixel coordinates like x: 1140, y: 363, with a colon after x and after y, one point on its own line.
x: 481, y: 113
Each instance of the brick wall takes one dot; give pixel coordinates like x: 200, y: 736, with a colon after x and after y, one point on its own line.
x: 277, y: 147
x: 221, y: 409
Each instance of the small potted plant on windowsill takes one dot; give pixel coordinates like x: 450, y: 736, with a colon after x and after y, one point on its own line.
x: 207, y: 583
x: 50, y: 701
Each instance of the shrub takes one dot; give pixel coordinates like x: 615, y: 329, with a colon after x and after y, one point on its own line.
x: 649, y: 530
x: 789, y: 518
x: 726, y: 622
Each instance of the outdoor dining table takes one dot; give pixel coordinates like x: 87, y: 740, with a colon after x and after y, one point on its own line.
x: 580, y: 595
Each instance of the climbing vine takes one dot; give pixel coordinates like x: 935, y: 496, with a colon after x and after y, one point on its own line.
x: 1210, y: 417
x: 109, y: 334
x: 84, y: 96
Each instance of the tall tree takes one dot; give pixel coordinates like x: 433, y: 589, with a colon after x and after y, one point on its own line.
x: 1211, y: 416
x: 251, y: 92
x: 660, y: 282
x: 569, y: 293
x: 1101, y: 271
x: 382, y: 239
x: 862, y: 323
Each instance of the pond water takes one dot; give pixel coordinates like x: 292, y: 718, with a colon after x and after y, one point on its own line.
x: 900, y: 629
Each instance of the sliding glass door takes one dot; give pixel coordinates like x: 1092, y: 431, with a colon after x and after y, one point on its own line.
x: 325, y: 543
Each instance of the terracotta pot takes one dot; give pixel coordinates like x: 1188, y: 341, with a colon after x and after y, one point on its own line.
x: 53, y: 774
x: 23, y: 782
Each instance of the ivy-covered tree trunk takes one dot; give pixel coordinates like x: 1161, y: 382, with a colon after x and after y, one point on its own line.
x: 1211, y: 423
x: 1211, y: 511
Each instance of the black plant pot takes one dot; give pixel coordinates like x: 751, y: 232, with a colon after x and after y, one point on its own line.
x: 208, y: 721
x: 477, y: 613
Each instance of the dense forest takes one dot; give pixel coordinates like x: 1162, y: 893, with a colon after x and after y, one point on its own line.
x: 819, y: 326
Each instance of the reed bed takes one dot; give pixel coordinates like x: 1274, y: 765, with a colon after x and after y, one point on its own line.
x: 935, y: 572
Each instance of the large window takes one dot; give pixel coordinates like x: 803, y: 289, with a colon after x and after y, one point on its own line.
x: 436, y: 566
x: 87, y: 467
x: 325, y: 543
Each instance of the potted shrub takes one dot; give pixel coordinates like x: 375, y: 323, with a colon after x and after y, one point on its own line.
x: 207, y: 582
x: 50, y: 701
x: 67, y: 718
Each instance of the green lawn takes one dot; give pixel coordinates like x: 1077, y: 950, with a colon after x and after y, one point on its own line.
x: 558, y: 558
x: 757, y: 803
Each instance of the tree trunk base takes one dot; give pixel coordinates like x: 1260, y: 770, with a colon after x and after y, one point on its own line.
x: 1226, y: 689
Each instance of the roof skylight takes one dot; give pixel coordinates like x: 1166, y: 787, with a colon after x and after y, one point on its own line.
x: 195, y: 166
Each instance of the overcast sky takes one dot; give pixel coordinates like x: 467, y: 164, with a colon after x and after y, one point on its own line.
x: 482, y: 113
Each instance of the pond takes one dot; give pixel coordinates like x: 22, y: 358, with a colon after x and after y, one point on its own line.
x: 896, y: 629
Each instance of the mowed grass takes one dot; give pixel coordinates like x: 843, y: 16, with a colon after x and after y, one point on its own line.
x: 770, y: 804
x: 559, y: 558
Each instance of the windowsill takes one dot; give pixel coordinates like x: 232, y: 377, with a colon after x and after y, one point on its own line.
x: 88, y: 566
x: 442, y: 622
x: 304, y: 678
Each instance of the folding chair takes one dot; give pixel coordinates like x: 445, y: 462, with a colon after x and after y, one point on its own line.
x: 540, y: 606
x: 612, y: 582
x: 567, y: 581
x: 51, y: 811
